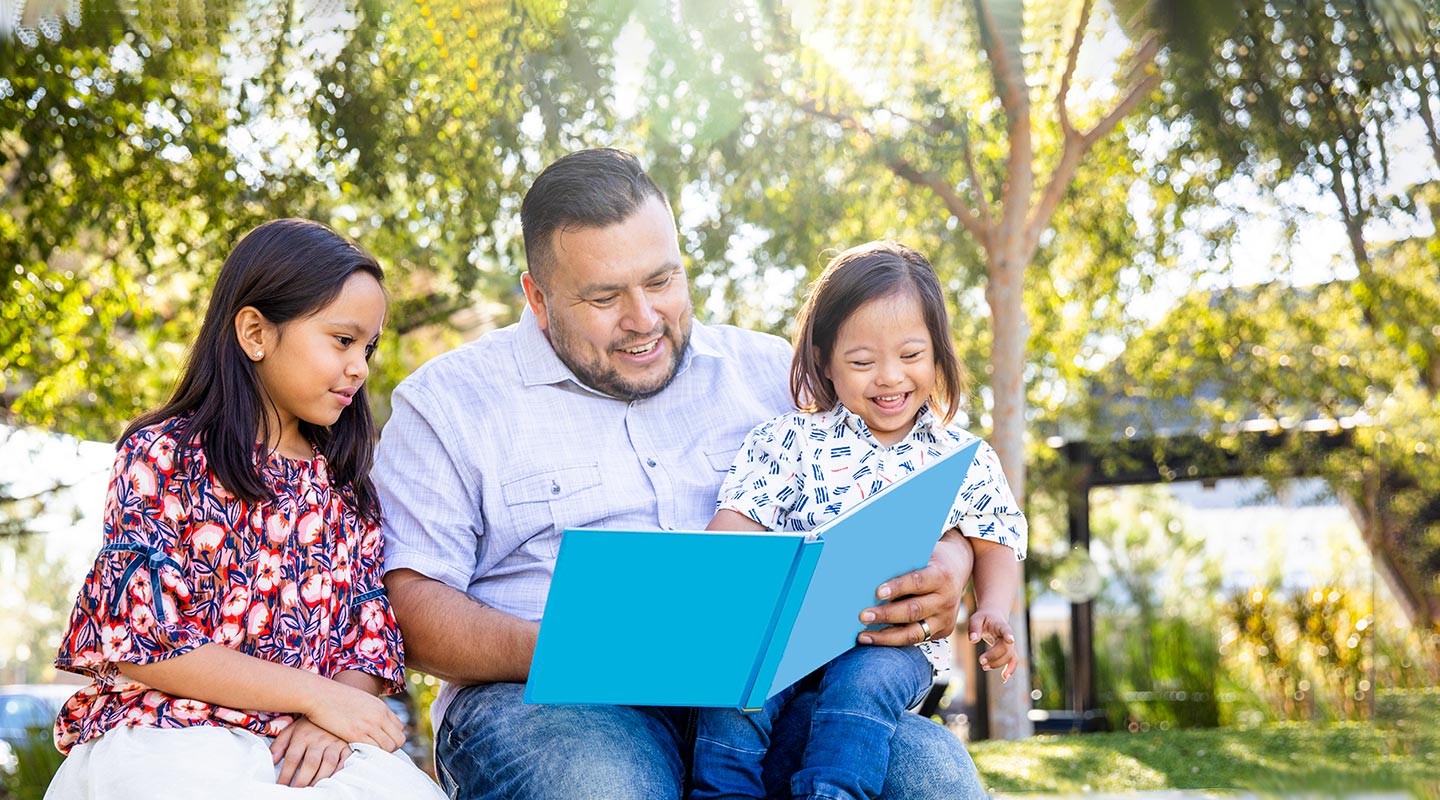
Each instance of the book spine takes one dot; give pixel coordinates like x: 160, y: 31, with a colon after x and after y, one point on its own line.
x: 776, y: 638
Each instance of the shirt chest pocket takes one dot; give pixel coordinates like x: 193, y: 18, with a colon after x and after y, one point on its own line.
x: 543, y: 503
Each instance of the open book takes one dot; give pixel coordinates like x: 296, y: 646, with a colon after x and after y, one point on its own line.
x: 710, y: 618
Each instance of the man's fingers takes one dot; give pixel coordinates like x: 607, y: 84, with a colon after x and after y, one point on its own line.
x: 906, y: 610
x: 921, y: 581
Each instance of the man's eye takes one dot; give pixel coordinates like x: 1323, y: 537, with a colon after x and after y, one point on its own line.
x: 602, y: 302
x: 663, y: 282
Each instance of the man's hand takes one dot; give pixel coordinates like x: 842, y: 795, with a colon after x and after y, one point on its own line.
x: 311, y: 753
x: 932, y: 594
x: 993, y: 626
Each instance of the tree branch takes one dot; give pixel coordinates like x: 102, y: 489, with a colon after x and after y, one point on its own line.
x: 977, y: 187
x: 1077, y: 144
x: 1014, y: 98
x: 954, y: 203
x: 1070, y: 60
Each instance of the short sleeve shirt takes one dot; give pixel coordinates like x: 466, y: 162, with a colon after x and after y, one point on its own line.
x: 493, y: 449
x: 294, y: 579
x: 800, y: 470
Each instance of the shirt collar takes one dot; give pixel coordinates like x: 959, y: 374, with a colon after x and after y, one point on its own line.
x: 927, y: 424
x: 540, y: 366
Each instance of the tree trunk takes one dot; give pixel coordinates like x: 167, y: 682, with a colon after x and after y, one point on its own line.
x: 1010, y: 702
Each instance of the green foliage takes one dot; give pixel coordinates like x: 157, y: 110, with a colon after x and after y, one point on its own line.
x: 36, y: 764
x: 1157, y: 659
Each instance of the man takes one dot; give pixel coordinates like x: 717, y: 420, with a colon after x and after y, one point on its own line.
x: 607, y: 405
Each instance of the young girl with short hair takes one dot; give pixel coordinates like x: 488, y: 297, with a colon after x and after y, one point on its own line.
x: 234, y: 627
x: 877, y: 382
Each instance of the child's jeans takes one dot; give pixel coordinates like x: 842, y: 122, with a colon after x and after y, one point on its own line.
x: 862, y: 694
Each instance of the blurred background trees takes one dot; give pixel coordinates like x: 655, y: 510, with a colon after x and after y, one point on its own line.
x: 1092, y: 180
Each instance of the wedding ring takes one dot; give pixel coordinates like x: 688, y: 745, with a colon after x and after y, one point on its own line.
x: 925, y: 627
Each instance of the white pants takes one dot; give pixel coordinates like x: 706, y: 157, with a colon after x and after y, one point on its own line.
x: 221, y: 763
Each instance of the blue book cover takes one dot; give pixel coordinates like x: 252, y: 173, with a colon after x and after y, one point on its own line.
x: 714, y: 618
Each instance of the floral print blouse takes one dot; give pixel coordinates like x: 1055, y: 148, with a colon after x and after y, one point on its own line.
x: 294, y: 580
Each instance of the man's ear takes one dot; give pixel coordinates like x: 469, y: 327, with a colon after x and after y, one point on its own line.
x: 535, y: 298
x: 254, y: 332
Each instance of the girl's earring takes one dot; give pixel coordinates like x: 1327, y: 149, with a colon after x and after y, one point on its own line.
x: 259, y: 354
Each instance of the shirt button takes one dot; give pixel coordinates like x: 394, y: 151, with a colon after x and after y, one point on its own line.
x: 649, y: 462
x: 554, y: 487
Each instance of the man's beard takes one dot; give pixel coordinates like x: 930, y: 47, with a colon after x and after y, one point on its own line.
x: 606, y: 378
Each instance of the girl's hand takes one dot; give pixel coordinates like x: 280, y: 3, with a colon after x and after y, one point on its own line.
x: 311, y: 753
x: 355, y: 715
x: 994, y: 628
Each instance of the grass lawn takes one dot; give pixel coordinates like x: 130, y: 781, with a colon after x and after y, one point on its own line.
x: 1400, y: 750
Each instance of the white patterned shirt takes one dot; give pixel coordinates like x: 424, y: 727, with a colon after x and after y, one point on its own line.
x: 800, y: 470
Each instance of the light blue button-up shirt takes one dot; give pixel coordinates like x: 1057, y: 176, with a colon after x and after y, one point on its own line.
x: 494, y: 448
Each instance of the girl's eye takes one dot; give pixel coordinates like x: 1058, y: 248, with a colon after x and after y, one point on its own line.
x: 369, y: 351
x: 911, y: 356
x: 344, y: 340
x: 861, y: 364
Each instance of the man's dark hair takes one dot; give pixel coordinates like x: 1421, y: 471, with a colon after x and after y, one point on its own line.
x: 588, y: 189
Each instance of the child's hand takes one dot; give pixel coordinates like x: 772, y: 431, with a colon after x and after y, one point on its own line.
x: 355, y: 715
x: 311, y: 753
x: 994, y: 628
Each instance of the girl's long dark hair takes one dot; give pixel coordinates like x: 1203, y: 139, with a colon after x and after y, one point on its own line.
x: 286, y: 269
x: 855, y: 277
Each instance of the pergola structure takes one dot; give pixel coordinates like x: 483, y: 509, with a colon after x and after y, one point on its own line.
x: 1151, y: 460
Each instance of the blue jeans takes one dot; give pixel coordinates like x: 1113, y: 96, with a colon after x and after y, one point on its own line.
x: 492, y: 746
x: 861, y: 696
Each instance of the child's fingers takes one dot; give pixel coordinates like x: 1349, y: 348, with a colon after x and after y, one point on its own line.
x: 978, y: 626
x: 997, y: 655
x: 278, y: 747
x: 1009, y: 670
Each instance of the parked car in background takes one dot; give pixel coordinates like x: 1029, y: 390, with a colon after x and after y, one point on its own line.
x: 27, y: 711
x: 28, y: 758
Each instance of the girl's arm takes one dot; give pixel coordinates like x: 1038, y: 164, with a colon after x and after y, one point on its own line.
x: 727, y: 520
x: 309, y: 752
x: 997, y: 580
x: 215, y: 674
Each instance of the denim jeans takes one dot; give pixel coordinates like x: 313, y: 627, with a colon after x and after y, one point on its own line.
x: 860, y: 698
x: 492, y: 746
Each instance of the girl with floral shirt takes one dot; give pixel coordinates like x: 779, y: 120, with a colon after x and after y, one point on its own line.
x: 234, y: 627
x: 877, y: 382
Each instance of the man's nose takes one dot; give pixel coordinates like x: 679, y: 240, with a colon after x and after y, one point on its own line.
x: 640, y: 314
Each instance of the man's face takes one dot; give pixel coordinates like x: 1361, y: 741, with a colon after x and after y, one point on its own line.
x: 615, y: 304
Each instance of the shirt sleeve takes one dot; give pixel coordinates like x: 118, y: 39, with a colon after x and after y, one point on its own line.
x: 133, y: 606
x: 433, y: 515
x: 371, y: 642
x: 985, y: 508
x: 764, y: 482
